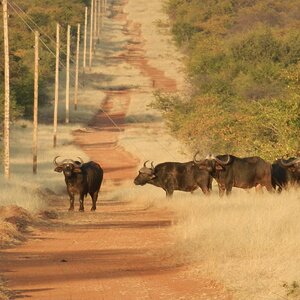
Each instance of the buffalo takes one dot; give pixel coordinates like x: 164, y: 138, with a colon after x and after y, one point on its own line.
x: 81, y: 178
x: 285, y: 172
x: 171, y: 176
x: 230, y: 171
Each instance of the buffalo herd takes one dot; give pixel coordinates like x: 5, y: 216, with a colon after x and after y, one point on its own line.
x: 228, y: 170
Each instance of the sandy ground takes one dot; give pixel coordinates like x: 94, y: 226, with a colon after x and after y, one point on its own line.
x: 124, y: 250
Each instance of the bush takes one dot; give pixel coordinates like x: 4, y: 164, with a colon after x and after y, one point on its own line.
x: 243, y: 68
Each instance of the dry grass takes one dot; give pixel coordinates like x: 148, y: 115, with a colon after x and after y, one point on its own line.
x: 14, y: 222
x: 250, y: 242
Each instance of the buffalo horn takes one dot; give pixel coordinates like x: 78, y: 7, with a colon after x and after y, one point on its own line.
x: 145, y: 163
x: 55, y: 162
x: 223, y: 162
x: 195, y: 156
x: 287, y: 164
x: 81, y: 160
x: 152, y: 165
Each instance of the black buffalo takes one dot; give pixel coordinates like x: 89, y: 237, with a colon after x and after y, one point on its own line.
x: 231, y: 171
x: 171, y: 176
x: 81, y: 178
x: 285, y: 172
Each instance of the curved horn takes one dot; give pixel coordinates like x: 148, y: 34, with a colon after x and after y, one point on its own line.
x: 194, y: 159
x: 55, y: 162
x: 81, y: 160
x: 152, y: 165
x: 145, y: 163
x: 287, y: 164
x: 223, y: 162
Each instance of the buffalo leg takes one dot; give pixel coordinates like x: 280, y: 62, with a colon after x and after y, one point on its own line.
x: 81, y: 207
x: 228, y: 190
x: 269, y: 188
x: 169, y: 188
x: 209, y: 185
x: 94, y: 199
x: 71, y: 202
x: 205, y: 190
x: 221, y: 189
x: 228, y: 187
x: 169, y: 193
x: 258, y: 189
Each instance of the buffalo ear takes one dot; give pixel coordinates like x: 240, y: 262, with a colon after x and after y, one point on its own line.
x: 77, y: 170
x: 58, y: 169
x: 201, y: 167
x: 219, y: 167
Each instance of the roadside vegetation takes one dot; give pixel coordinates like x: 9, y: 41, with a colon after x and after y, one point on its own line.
x: 249, y: 242
x: 21, y: 41
x: 242, y: 59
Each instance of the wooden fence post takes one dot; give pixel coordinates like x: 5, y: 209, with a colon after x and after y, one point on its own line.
x: 6, y: 140
x: 85, y: 37
x: 56, y: 86
x: 91, y: 34
x: 68, y: 76
x: 35, y: 101
x: 77, y: 67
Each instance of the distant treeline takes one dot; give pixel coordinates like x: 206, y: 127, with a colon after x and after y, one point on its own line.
x: 243, y: 61
x: 45, y: 14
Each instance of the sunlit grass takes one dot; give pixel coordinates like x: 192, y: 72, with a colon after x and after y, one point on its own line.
x: 248, y: 241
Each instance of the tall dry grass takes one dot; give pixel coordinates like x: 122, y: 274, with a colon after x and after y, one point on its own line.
x: 248, y: 241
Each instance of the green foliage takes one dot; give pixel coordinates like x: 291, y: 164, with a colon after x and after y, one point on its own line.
x: 243, y: 63
x: 45, y: 13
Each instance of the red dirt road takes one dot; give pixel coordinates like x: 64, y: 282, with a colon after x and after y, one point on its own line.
x: 121, y: 251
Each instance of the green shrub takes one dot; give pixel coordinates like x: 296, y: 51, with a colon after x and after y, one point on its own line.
x: 243, y: 64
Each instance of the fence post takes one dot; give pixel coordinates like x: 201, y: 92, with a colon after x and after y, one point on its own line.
x: 91, y: 34
x: 35, y: 101
x: 77, y: 67
x: 68, y: 76
x: 6, y: 154
x: 56, y: 86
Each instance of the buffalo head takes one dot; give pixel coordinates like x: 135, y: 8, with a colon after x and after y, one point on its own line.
x: 212, y: 163
x: 292, y: 164
x: 68, y: 166
x: 145, y: 174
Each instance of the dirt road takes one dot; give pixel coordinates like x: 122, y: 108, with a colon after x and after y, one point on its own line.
x: 122, y: 251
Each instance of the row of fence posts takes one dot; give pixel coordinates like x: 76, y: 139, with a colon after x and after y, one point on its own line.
x: 97, y: 11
